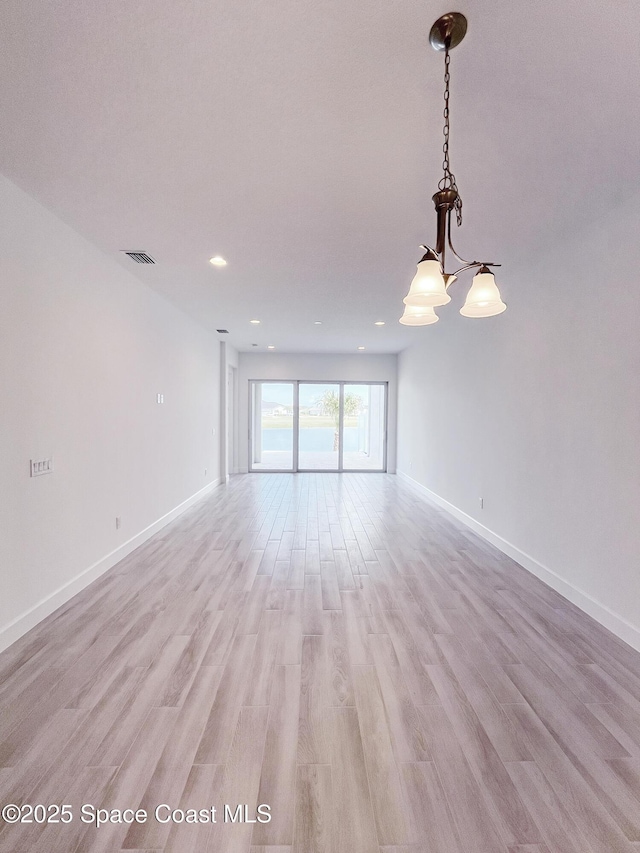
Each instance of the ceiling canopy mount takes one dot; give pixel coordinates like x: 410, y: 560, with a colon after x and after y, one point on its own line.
x: 448, y: 31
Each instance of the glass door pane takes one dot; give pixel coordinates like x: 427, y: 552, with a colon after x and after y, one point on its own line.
x: 364, y: 427
x: 319, y: 431
x: 272, y: 418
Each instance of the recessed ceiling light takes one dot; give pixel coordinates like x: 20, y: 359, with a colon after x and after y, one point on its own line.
x: 379, y: 323
x: 317, y: 322
x: 255, y: 322
x: 270, y: 347
x: 360, y: 347
x: 218, y: 261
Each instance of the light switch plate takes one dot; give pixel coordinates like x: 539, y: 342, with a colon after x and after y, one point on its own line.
x: 38, y: 467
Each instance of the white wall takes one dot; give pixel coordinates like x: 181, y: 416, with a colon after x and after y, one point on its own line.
x: 84, y: 349
x: 233, y: 408
x: 228, y: 410
x: 347, y: 368
x: 538, y: 411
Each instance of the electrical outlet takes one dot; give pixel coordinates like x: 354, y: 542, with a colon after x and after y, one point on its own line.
x: 159, y: 398
x: 481, y: 503
x: 37, y: 467
x: 118, y: 522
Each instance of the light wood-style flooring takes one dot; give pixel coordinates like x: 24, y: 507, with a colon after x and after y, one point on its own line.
x: 337, y: 648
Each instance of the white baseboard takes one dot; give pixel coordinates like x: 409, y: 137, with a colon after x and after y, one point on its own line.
x: 617, y: 624
x: 16, y: 629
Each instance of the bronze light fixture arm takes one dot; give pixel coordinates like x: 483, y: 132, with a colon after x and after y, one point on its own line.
x: 466, y: 264
x: 484, y: 267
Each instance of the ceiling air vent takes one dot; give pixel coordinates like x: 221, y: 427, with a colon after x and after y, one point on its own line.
x: 140, y: 257
x: 222, y: 331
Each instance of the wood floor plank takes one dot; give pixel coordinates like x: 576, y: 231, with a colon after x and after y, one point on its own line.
x: 276, y: 595
x: 353, y: 813
x: 312, y: 731
x: 343, y: 570
x: 224, y: 633
x: 561, y: 710
x: 270, y: 849
x: 431, y: 612
x: 300, y: 536
x: 407, y: 733
x: 312, y: 619
x: 487, y: 653
x: 504, y: 737
x: 312, y: 561
x: 613, y: 692
x: 510, y: 815
x: 389, y: 597
x: 278, y: 773
x: 132, y: 718
x: 338, y: 646
x: 131, y: 779
x: 356, y: 560
x: 623, y: 726
x: 260, y: 676
x: 329, y: 586
x: 431, y: 824
x: 411, y: 660
x: 22, y: 720
x: 89, y: 785
x: 216, y: 738
x: 382, y: 773
x: 314, y: 803
x: 290, y: 649
x: 582, y: 804
x: 186, y: 667
x: 531, y: 646
x: 175, y: 763
x: 556, y: 825
x: 241, y: 780
x: 249, y: 621
x: 296, y: 570
x: 357, y: 638
x: 339, y: 680
x: 475, y: 827
x: 204, y: 785
x: 369, y: 606
x: 18, y: 781
x: 325, y: 546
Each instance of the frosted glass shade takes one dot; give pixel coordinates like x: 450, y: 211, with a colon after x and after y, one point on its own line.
x: 427, y: 288
x: 483, y: 300
x: 414, y: 315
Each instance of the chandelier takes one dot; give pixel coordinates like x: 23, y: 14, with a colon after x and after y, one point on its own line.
x: 430, y: 284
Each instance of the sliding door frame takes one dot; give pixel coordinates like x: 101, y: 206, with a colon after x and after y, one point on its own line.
x: 385, y: 429
x: 296, y: 426
x: 252, y: 397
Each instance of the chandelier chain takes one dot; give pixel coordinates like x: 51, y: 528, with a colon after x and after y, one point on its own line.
x: 448, y: 180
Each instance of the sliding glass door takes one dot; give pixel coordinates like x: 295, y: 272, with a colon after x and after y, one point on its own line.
x: 272, y: 426
x: 318, y: 426
x: 364, y: 427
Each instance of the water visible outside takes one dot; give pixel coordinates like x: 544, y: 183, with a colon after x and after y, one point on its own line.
x: 311, y: 439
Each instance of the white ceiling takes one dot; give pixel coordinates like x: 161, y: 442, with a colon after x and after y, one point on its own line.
x: 302, y: 141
